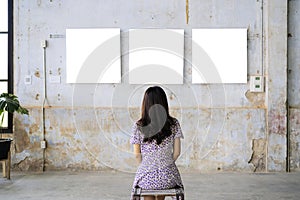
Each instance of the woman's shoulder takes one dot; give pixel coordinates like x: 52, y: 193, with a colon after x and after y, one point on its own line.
x: 139, y: 122
x: 174, y: 121
x: 135, y: 126
x: 136, y: 137
x: 176, y: 129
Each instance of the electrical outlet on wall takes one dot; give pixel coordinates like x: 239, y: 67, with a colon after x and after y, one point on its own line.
x: 44, y: 43
x: 256, y: 83
x: 54, y: 79
x: 27, y: 80
x: 43, y: 144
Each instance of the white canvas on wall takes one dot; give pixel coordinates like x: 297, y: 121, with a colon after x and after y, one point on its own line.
x: 93, y: 55
x: 156, y: 56
x: 219, y: 55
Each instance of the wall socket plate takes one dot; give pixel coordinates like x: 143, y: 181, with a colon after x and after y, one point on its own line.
x: 27, y: 80
x: 43, y: 144
x: 43, y: 43
x: 257, y: 83
x: 55, y: 79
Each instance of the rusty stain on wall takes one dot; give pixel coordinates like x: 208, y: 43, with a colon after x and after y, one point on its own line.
x: 94, y: 136
x: 278, y: 125
x: 37, y: 73
x: 21, y: 137
x: 257, y: 99
x: 187, y: 10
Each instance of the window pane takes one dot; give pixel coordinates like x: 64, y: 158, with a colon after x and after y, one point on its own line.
x: 3, y: 88
x: 3, y: 56
x: 3, y: 15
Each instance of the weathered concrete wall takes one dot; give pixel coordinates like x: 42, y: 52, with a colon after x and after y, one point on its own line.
x: 276, y: 83
x: 87, y: 126
x: 294, y: 83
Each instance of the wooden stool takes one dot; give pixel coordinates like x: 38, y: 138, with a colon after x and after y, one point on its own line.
x: 178, y: 192
x: 6, y: 167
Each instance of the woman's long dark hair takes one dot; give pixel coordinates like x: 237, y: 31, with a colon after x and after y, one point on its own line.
x: 155, y: 122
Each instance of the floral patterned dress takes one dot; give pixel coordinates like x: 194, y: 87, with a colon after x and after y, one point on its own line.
x: 158, y: 169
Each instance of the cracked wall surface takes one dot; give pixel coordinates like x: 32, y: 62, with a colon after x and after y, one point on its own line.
x: 88, y: 126
x: 258, y: 155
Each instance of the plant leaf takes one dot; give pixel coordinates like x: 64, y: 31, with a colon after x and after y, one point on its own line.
x: 11, y: 104
x: 22, y: 110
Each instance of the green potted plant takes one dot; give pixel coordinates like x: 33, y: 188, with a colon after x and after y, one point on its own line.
x: 8, y: 103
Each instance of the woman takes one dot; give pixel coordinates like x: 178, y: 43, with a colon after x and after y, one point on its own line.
x: 156, y: 141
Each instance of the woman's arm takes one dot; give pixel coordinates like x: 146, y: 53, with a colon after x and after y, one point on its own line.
x: 176, y: 148
x: 137, y: 152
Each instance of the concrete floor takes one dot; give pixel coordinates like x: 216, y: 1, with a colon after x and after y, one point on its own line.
x: 117, y: 186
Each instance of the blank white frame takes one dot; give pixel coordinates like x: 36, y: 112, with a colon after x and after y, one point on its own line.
x: 219, y: 55
x: 93, y: 55
x: 156, y: 56
x: 3, y: 15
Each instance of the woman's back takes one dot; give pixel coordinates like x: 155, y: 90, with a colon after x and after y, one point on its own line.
x: 157, y: 169
x: 156, y: 141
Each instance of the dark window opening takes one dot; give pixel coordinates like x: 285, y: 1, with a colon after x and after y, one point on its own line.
x: 6, y: 57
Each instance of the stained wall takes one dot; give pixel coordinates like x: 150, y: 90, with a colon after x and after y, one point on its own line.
x: 88, y: 126
x: 294, y: 84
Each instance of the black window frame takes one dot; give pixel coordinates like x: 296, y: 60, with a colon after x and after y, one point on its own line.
x: 9, y: 80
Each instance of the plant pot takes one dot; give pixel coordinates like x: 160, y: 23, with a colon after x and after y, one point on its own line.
x: 4, y: 148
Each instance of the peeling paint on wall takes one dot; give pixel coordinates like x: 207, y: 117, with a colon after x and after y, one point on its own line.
x: 294, y: 84
x: 257, y: 99
x: 295, y: 139
x: 84, y: 132
x: 258, y: 158
x: 276, y: 83
x: 22, y: 140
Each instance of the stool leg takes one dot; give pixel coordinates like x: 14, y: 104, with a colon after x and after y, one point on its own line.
x: 179, y: 196
x: 4, y: 168
x: 136, y: 197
